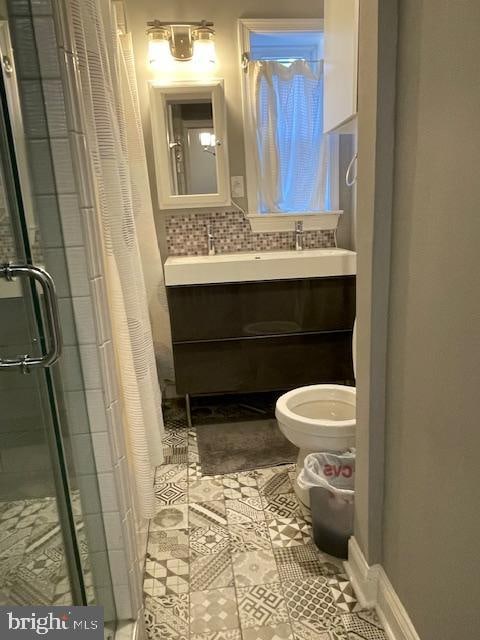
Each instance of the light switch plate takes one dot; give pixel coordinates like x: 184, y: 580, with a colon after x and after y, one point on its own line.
x: 237, y: 186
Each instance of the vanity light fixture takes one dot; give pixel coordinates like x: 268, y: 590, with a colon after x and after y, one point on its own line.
x: 203, y: 48
x: 159, y: 55
x: 181, y: 41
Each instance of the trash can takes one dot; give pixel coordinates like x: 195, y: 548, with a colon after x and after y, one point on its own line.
x: 330, y: 479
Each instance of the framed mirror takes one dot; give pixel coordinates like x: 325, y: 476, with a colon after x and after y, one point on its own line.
x: 190, y: 144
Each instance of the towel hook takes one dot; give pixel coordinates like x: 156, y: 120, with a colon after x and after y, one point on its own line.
x: 349, y: 178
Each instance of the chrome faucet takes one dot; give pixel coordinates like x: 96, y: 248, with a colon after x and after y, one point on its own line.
x: 210, y: 240
x: 298, y: 235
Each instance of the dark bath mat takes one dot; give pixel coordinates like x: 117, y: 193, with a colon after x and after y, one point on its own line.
x: 241, y: 446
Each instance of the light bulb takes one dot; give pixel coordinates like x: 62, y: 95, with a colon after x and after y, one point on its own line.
x: 159, y: 54
x: 205, y: 138
x: 203, y: 54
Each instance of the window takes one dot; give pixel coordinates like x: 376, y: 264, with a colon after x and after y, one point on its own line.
x: 286, y: 46
x: 292, y: 167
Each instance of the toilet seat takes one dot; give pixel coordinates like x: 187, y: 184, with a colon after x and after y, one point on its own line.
x: 318, y: 417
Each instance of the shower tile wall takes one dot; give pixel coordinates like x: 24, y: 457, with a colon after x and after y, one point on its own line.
x: 7, y: 244
x: 187, y: 235
x: 7, y: 241
x: 63, y: 203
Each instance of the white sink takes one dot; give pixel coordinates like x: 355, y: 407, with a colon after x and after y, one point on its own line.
x: 267, y: 265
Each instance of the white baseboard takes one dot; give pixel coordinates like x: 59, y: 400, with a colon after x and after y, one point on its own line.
x: 374, y: 589
x: 363, y: 577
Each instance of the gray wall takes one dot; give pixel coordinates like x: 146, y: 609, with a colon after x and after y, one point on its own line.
x: 225, y: 15
x: 431, y: 516
x: 374, y: 188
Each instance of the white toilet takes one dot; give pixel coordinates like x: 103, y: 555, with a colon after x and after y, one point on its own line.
x: 318, y: 417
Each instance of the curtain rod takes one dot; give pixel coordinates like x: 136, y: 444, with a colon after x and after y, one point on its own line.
x: 246, y: 60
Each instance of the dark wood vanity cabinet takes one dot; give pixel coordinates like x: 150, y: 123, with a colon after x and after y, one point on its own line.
x: 260, y: 336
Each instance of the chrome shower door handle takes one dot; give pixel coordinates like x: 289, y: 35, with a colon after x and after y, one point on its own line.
x: 52, y: 318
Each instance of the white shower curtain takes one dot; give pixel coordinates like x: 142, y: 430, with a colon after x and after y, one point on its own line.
x: 115, y: 145
x: 296, y: 163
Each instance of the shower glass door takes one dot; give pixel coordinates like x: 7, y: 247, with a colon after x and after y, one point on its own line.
x: 36, y: 550
x: 48, y: 489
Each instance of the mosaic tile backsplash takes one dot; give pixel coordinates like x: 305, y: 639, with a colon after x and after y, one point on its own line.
x: 187, y: 235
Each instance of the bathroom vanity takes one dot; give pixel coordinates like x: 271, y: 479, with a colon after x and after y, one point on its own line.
x: 258, y: 322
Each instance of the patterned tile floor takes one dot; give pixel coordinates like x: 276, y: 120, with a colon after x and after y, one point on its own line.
x: 231, y: 558
x: 32, y: 558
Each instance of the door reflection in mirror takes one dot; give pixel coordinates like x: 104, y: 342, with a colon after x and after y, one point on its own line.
x: 192, y: 146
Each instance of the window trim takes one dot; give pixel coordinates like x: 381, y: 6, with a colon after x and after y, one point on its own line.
x: 274, y: 221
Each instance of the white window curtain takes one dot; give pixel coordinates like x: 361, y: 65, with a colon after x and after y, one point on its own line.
x: 114, y: 141
x: 296, y: 163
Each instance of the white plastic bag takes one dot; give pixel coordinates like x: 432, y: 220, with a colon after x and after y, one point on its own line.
x: 335, y: 472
